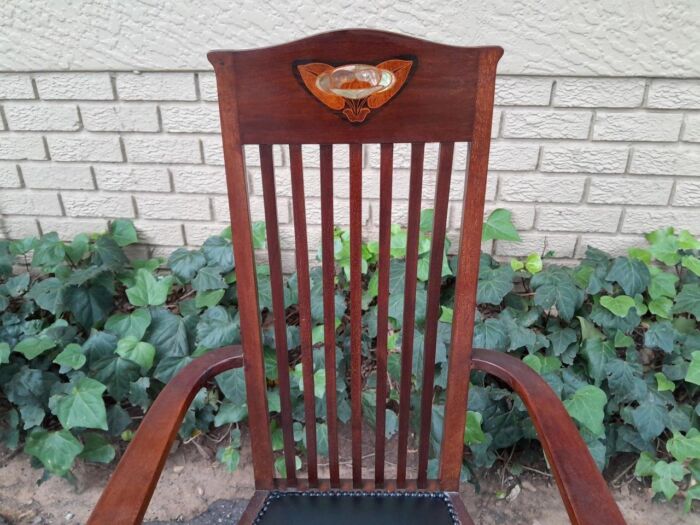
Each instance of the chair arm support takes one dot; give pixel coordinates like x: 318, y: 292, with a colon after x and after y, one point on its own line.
x: 128, y: 493
x: 582, y: 487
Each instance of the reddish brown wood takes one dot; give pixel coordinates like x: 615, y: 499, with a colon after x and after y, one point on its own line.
x: 131, y: 487
x: 386, y: 175
x: 446, y: 97
x: 452, y: 447
x: 432, y: 309
x: 304, y: 293
x: 328, y: 260
x: 582, y: 487
x: 409, y: 305
x: 280, y: 323
x: 356, y: 308
x: 254, y: 506
x: 460, y: 509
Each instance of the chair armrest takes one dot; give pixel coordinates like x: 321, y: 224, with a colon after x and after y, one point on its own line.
x: 126, y: 496
x: 582, y: 487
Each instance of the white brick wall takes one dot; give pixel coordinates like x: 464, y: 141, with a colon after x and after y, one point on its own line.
x: 578, y: 160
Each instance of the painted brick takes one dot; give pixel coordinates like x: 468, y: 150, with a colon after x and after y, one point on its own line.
x: 546, y: 124
x: 162, y: 251
x: 119, y: 117
x: 163, y: 149
x: 84, y: 147
x: 74, y: 86
x: 540, y: 188
x: 618, y: 190
x: 167, y: 233
x: 523, y: 217
x: 29, y: 116
x: 674, y: 94
x: 191, y: 118
x: 287, y: 241
x: 585, y: 158
x: 644, y: 220
x: 671, y: 160
x: 691, y: 133
x: 156, y: 86
x: 561, y: 245
x: 123, y: 177
x: 496, y: 122
x: 199, y: 179
x: 457, y: 185
x: 27, y: 202
x: 341, y: 209
x: 207, y: 87
x: 578, y: 219
x: 57, y: 176
x: 14, y: 146
x: 687, y: 193
x: 257, y: 210
x: 181, y: 207
x: 68, y: 228
x: 18, y: 227
x: 252, y: 154
x: 97, y: 204
x: 311, y: 156
x: 9, y: 177
x: 507, y: 156
x: 213, y: 151
x: 599, y: 92
x: 198, y: 232
x: 15, y: 86
x: 662, y: 127
x: 614, y: 245
x: 523, y: 91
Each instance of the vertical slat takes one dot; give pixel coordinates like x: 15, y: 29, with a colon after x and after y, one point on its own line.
x: 328, y: 260
x: 409, y: 306
x: 249, y: 314
x: 277, y: 288
x: 386, y: 167
x: 432, y: 314
x: 304, y: 292
x: 452, y: 447
x: 356, y: 309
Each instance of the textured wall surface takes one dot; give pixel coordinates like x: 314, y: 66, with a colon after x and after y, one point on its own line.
x: 596, y: 130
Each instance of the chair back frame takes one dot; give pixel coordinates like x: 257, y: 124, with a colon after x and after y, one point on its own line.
x: 275, y: 96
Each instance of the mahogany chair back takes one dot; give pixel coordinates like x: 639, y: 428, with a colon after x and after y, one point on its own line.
x: 286, y: 95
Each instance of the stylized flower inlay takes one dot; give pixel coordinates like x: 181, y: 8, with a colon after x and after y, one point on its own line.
x: 355, y: 89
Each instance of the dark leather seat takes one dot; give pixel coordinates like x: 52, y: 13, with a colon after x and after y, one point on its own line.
x: 356, y: 508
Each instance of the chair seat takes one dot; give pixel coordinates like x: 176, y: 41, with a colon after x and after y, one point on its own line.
x: 357, y: 508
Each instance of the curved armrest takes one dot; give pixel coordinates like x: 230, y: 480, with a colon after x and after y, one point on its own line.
x: 582, y: 487
x: 126, y: 497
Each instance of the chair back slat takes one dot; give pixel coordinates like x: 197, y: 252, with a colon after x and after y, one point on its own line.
x: 452, y: 451
x: 432, y: 309
x: 304, y: 297
x: 356, y: 309
x: 278, y: 310
x: 444, y: 95
x: 329, y: 344
x: 385, y: 188
x: 409, y: 305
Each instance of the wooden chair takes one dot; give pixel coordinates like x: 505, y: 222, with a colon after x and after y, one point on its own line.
x: 291, y: 95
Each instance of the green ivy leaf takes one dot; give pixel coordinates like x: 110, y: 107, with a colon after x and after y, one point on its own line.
x: 662, y: 284
x: 692, y: 263
x: 499, y: 227
x: 689, y: 300
x: 259, y: 235
x: 4, y: 353
x: 89, y: 305
x: 230, y: 413
x: 117, y: 374
x: 619, y: 305
x: 663, y: 383
x: 137, y: 351
x: 693, y: 374
x: 185, y: 263
x: 49, y: 251
x: 232, y: 385
x: 229, y: 457
x: 71, y: 357
x: 96, y: 449
x: 664, y: 476
x: 123, y: 232
x: 82, y: 406
x: 209, y: 298
x: 77, y: 248
x: 48, y: 294
x: 660, y: 335
x: 134, y: 324
x: 650, y: 420
x: 661, y: 307
x: 684, y: 447
x: 556, y: 287
x: 216, y: 328
x: 110, y: 254
x: 473, y: 433
x: 33, y: 347
x: 631, y: 274
x: 664, y: 246
x: 56, y: 450
x: 209, y: 278
x: 148, y: 290
x: 686, y: 241
x: 218, y: 251
x: 586, y: 406
x: 494, y: 284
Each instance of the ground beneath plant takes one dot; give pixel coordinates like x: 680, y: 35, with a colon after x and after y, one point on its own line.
x: 195, y: 489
